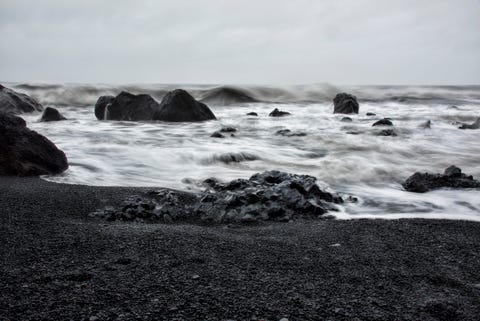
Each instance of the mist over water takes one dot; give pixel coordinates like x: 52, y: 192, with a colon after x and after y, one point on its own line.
x: 346, y: 157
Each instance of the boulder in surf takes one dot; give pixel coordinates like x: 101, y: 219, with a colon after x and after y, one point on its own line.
x: 344, y: 103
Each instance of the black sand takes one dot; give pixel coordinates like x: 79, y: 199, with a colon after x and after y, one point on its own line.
x: 58, y: 264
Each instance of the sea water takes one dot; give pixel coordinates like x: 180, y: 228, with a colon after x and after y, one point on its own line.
x: 346, y: 157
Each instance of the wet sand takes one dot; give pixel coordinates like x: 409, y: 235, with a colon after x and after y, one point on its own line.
x: 57, y: 264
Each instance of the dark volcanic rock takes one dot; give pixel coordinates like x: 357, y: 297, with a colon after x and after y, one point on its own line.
x: 452, y: 177
x: 345, y: 104
x: 271, y: 195
x: 252, y: 113
x: 228, y: 158
x: 228, y: 130
x: 127, y: 106
x: 383, y: 122
x: 217, y: 134
x: 475, y: 125
x: 289, y: 133
x: 51, y: 114
x: 25, y: 152
x: 371, y: 114
x: 278, y: 113
x: 227, y: 95
x: 386, y: 132
x: 179, y: 106
x: 17, y: 103
x: 346, y: 120
x: 100, y: 106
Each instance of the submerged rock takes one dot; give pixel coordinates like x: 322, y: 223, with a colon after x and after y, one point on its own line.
x: 475, y: 125
x: 252, y: 113
x: 227, y: 95
x: 426, y: 125
x: 17, y: 103
x: 179, y: 106
x: 344, y: 103
x: 228, y: 158
x: 25, y: 152
x: 346, y: 120
x: 371, y: 114
x: 386, y: 132
x: 271, y: 195
x: 289, y: 133
x: 217, y: 134
x: 452, y: 177
x: 383, y: 122
x: 278, y: 113
x: 102, y: 103
x: 228, y: 130
x: 51, y: 114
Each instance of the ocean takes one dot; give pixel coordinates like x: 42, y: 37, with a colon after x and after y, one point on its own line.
x: 346, y: 157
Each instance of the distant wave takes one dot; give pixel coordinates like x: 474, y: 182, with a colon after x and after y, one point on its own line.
x: 82, y: 95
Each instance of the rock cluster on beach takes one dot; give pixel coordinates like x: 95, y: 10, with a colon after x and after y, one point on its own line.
x: 24, y: 152
x: 176, y: 106
x: 267, y: 196
x: 452, y: 177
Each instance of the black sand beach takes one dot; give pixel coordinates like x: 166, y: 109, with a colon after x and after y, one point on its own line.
x: 59, y: 264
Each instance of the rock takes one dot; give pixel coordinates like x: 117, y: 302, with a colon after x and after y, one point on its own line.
x: 228, y: 130
x: 289, y: 133
x: 217, y: 134
x: 101, y: 105
x: 25, y: 152
x: 227, y: 95
x: 386, y: 132
x: 371, y: 114
x: 344, y: 103
x: 179, y: 106
x: 228, y: 158
x: 271, y: 195
x: 278, y: 113
x: 127, y: 106
x: 51, y: 114
x: 346, y: 119
x: 17, y: 103
x: 452, y: 178
x: 252, y: 114
x: 383, y: 122
x: 475, y: 125
x: 425, y: 125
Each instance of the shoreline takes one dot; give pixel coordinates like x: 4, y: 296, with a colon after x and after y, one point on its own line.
x: 60, y: 264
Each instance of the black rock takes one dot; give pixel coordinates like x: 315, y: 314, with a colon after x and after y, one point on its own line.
x: 289, y: 133
x: 234, y: 157
x: 386, y: 132
x: 383, y: 122
x: 100, y: 106
x: 127, y: 106
x: 425, y: 125
x: 228, y: 130
x: 371, y: 114
x: 278, y: 113
x: 346, y: 120
x: 227, y: 95
x: 252, y: 114
x: 475, y: 125
x: 271, y: 195
x: 452, y: 178
x: 179, y: 106
x: 25, y: 152
x: 51, y: 114
x: 217, y: 134
x: 17, y: 103
x: 345, y: 104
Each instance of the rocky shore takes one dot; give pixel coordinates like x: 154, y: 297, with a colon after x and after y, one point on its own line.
x: 58, y: 264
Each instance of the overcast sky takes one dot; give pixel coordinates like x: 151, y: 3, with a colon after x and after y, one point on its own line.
x: 241, y: 41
